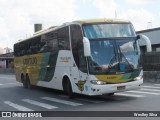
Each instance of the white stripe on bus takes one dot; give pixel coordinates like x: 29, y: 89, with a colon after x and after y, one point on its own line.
x: 61, y: 101
x: 18, y: 107
x: 44, y: 105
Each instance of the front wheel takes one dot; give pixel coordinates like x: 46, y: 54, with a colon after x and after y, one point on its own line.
x: 69, y: 90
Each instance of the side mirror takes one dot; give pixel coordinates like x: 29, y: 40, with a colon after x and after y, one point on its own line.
x: 87, y: 50
x: 138, y: 37
x: 147, y: 40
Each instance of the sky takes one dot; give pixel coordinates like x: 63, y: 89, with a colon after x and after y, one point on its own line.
x: 17, y: 17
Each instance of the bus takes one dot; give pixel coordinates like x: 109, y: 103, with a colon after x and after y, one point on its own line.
x: 90, y: 57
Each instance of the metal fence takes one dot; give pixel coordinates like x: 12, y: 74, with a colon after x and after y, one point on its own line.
x: 151, y: 61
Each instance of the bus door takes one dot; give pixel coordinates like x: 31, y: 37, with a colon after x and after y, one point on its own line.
x: 79, y: 68
x: 83, y: 73
x: 80, y: 75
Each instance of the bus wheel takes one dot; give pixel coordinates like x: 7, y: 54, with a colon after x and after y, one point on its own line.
x: 69, y: 89
x: 24, y: 81
x: 28, y: 82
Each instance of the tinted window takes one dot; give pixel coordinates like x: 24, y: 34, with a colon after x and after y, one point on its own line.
x: 63, y: 38
x: 108, y: 30
x: 77, y: 47
x: 35, y: 45
x: 49, y: 42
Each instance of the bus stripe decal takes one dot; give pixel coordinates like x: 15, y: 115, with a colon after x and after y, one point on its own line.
x: 118, y: 78
x: 126, y: 76
x: 48, y: 66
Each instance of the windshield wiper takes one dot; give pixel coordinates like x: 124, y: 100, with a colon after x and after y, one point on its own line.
x: 113, y: 60
x: 122, y: 55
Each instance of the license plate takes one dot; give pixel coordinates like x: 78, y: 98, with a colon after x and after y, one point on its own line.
x: 121, y: 87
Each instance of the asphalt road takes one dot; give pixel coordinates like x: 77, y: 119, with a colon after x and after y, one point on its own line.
x: 13, y: 97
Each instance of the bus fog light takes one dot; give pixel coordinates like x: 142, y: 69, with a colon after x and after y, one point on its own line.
x: 98, y: 82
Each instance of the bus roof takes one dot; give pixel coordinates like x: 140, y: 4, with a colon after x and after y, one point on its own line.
x: 87, y: 21
x: 90, y: 21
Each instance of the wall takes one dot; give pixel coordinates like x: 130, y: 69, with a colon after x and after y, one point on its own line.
x: 151, y: 76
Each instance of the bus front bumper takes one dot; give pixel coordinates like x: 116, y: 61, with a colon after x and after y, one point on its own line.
x: 114, y: 88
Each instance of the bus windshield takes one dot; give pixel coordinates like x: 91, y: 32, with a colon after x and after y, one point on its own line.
x: 93, y: 31
x: 115, y: 53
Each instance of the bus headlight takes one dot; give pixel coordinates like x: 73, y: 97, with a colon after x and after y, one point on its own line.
x: 98, y: 82
x: 139, y: 77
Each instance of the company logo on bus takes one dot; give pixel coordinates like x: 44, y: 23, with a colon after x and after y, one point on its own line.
x: 30, y: 61
x: 65, y: 59
x: 80, y: 85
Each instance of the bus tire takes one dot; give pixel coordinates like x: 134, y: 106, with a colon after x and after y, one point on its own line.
x: 64, y: 84
x: 29, y: 86
x: 69, y: 89
x: 23, y: 79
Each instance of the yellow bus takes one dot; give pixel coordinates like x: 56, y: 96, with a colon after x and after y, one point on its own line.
x: 91, y: 57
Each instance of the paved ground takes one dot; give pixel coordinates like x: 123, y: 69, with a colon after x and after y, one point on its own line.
x: 13, y: 97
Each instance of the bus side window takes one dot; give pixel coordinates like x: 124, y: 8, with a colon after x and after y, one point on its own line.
x: 48, y: 42
x: 63, y: 38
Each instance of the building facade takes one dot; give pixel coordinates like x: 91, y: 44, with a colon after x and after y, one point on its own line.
x: 6, y: 60
x: 154, y: 36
